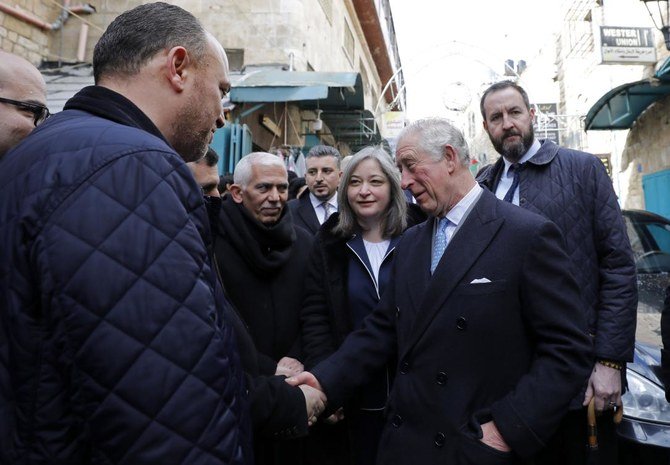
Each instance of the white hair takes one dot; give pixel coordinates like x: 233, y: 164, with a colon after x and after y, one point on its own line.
x: 242, y: 173
x: 433, y: 134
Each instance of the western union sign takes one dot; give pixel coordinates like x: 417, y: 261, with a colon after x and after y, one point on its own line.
x: 627, y: 45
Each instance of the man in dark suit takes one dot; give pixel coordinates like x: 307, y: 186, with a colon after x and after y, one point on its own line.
x: 322, y: 176
x: 483, y: 316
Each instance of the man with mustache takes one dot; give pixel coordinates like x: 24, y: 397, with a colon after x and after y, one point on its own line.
x: 262, y: 258
x: 322, y: 178
x: 572, y: 189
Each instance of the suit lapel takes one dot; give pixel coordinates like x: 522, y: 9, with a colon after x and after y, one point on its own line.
x: 417, y: 274
x: 308, y: 214
x: 471, y: 240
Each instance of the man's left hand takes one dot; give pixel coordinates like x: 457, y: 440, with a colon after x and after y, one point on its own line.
x: 493, y: 438
x: 288, y: 366
x: 605, y: 387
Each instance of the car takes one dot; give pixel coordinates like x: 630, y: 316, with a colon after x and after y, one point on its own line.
x: 645, y: 429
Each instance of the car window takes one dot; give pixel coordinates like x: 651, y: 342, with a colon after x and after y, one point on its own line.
x: 650, y: 240
x: 661, y: 235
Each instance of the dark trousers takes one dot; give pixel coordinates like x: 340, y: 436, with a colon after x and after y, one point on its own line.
x: 568, y: 446
x: 366, y: 431
x: 327, y: 445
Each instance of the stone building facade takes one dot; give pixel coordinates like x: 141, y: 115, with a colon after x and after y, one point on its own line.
x: 22, y: 38
x: 569, y: 71
x: 296, y: 35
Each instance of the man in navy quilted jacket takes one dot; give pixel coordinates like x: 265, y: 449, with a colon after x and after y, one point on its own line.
x: 115, y: 343
x: 572, y: 189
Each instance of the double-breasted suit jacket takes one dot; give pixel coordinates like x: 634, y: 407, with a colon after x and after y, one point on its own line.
x: 496, y: 333
x: 303, y: 213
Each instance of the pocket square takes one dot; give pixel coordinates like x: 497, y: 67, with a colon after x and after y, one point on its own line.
x: 480, y: 281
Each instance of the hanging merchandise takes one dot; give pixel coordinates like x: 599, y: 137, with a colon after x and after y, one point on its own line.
x: 300, y: 166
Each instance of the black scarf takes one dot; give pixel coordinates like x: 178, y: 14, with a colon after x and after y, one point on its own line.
x: 264, y: 248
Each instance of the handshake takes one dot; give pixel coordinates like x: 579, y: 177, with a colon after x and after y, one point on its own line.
x: 315, y: 399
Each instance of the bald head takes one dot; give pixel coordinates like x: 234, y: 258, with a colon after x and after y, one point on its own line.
x: 21, y: 82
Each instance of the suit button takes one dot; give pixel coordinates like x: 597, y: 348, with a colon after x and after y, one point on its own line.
x: 441, y: 378
x: 404, y: 368
x: 397, y: 421
x: 461, y: 323
x: 439, y: 439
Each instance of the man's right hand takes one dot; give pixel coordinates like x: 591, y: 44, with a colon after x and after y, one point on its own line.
x: 310, y: 386
x: 305, y: 378
x: 315, y: 402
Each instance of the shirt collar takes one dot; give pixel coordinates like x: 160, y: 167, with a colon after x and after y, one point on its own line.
x: 458, y: 211
x: 527, y: 156
x: 316, y: 202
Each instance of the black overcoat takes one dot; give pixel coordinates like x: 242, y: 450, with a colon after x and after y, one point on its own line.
x: 496, y: 333
x: 263, y: 273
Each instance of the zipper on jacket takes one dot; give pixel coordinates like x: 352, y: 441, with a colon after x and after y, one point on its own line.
x: 372, y: 277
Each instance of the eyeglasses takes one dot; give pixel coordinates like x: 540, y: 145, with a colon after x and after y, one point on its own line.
x: 39, y: 112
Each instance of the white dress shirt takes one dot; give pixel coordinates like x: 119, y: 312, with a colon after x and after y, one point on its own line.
x: 507, y: 177
x: 318, y: 208
x: 458, y: 213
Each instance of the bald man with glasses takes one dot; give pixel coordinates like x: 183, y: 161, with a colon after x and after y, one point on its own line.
x: 23, y: 95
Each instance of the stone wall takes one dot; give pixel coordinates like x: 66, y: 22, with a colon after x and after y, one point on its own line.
x: 269, y: 31
x: 23, y: 39
x: 647, y: 148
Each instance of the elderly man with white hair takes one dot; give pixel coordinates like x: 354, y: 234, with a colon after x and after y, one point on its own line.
x: 262, y: 258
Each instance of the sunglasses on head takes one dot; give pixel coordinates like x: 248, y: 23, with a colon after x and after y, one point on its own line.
x: 39, y: 112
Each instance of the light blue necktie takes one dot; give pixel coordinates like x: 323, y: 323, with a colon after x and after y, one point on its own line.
x: 440, y: 243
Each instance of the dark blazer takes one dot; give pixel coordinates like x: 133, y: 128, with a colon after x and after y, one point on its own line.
x: 304, y: 214
x: 514, y: 349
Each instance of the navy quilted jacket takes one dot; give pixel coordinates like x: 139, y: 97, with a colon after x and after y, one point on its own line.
x: 572, y: 189
x: 114, y: 345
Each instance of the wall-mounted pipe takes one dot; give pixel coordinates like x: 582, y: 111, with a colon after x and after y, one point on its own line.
x: 30, y: 19
x: 83, y: 37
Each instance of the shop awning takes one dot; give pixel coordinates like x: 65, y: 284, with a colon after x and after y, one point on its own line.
x: 357, y: 128
x: 620, y: 107
x: 332, y: 90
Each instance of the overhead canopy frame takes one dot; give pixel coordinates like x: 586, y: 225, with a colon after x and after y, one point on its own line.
x: 620, y: 107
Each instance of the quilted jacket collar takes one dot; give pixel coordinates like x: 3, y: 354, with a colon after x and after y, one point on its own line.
x: 106, y: 103
x: 546, y: 154
x: 489, y: 176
